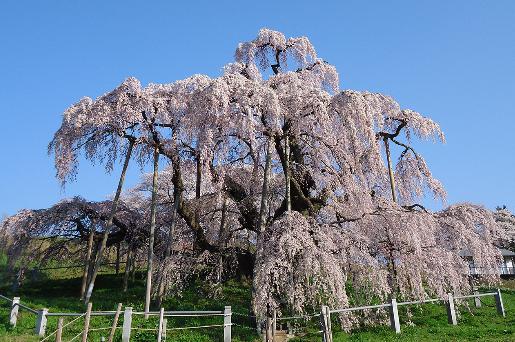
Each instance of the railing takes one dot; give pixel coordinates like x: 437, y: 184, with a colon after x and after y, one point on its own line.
x: 271, y: 323
x: 325, y: 314
x: 127, y: 328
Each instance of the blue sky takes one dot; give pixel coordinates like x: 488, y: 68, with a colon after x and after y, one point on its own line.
x: 451, y: 60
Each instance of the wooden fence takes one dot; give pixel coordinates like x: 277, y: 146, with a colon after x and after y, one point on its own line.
x: 127, y: 326
x: 270, y: 333
x: 325, y: 314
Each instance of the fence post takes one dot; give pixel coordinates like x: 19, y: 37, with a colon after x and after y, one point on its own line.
x: 477, y: 300
x: 115, y: 322
x: 499, y: 304
x: 59, y: 333
x: 227, y: 324
x: 289, y: 327
x: 127, y: 321
x: 86, y: 323
x: 451, y: 311
x: 325, y: 322
x: 394, y: 316
x: 165, y: 321
x: 41, y: 322
x: 329, y: 326
x: 14, y: 311
x: 160, y: 327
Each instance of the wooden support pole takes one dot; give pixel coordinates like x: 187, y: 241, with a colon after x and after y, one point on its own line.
x: 128, y: 265
x: 14, y: 311
x: 287, y: 173
x: 59, y: 332
x: 150, y: 258
x: 86, y: 322
x: 41, y: 322
x: 451, y: 310
x: 115, y: 322
x: 109, y: 223
x: 227, y: 324
x: 160, y: 327
x: 499, y: 304
x: 87, y: 264
x: 127, y: 321
x: 394, y: 316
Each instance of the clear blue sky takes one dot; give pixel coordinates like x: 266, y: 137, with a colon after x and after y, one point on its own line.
x: 451, y: 60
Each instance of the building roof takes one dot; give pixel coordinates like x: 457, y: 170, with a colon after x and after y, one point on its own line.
x: 504, y: 252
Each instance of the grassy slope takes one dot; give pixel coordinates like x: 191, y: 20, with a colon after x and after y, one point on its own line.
x: 57, y: 290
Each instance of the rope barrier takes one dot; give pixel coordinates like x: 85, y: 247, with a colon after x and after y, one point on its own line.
x: 199, y: 327
x: 8, y: 299
x: 27, y: 308
x: 96, y: 329
x: 64, y: 326
x: 73, y: 339
x: 244, y: 315
x: 297, y: 317
x: 243, y: 326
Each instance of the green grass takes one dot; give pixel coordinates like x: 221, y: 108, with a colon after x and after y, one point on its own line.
x: 429, y: 323
x: 57, y: 290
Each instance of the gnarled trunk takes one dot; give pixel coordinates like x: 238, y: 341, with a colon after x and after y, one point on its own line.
x: 264, y: 193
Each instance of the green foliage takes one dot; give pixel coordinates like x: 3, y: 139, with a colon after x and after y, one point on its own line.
x: 58, y: 291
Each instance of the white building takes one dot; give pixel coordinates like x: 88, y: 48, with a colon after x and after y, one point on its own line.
x: 507, y: 267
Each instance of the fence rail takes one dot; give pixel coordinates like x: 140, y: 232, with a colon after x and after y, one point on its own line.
x: 325, y: 314
x: 271, y: 322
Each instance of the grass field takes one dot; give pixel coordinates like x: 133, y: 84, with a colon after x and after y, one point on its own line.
x: 57, y: 290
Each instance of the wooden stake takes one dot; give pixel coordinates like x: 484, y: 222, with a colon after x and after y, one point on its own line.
x: 87, y: 264
x: 109, y: 222
x: 86, y: 323
x: 59, y: 333
x: 115, y: 322
x: 390, y: 169
x: 152, y: 229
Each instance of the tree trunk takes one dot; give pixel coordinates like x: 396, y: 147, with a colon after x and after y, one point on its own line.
x: 390, y: 170
x: 128, y: 265
x: 169, y: 245
x: 264, y: 193
x: 109, y: 222
x: 152, y: 231
x: 287, y: 173
x: 117, y: 265
x: 198, y: 185
x: 87, y: 263
x: 222, y: 238
x: 133, y: 266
